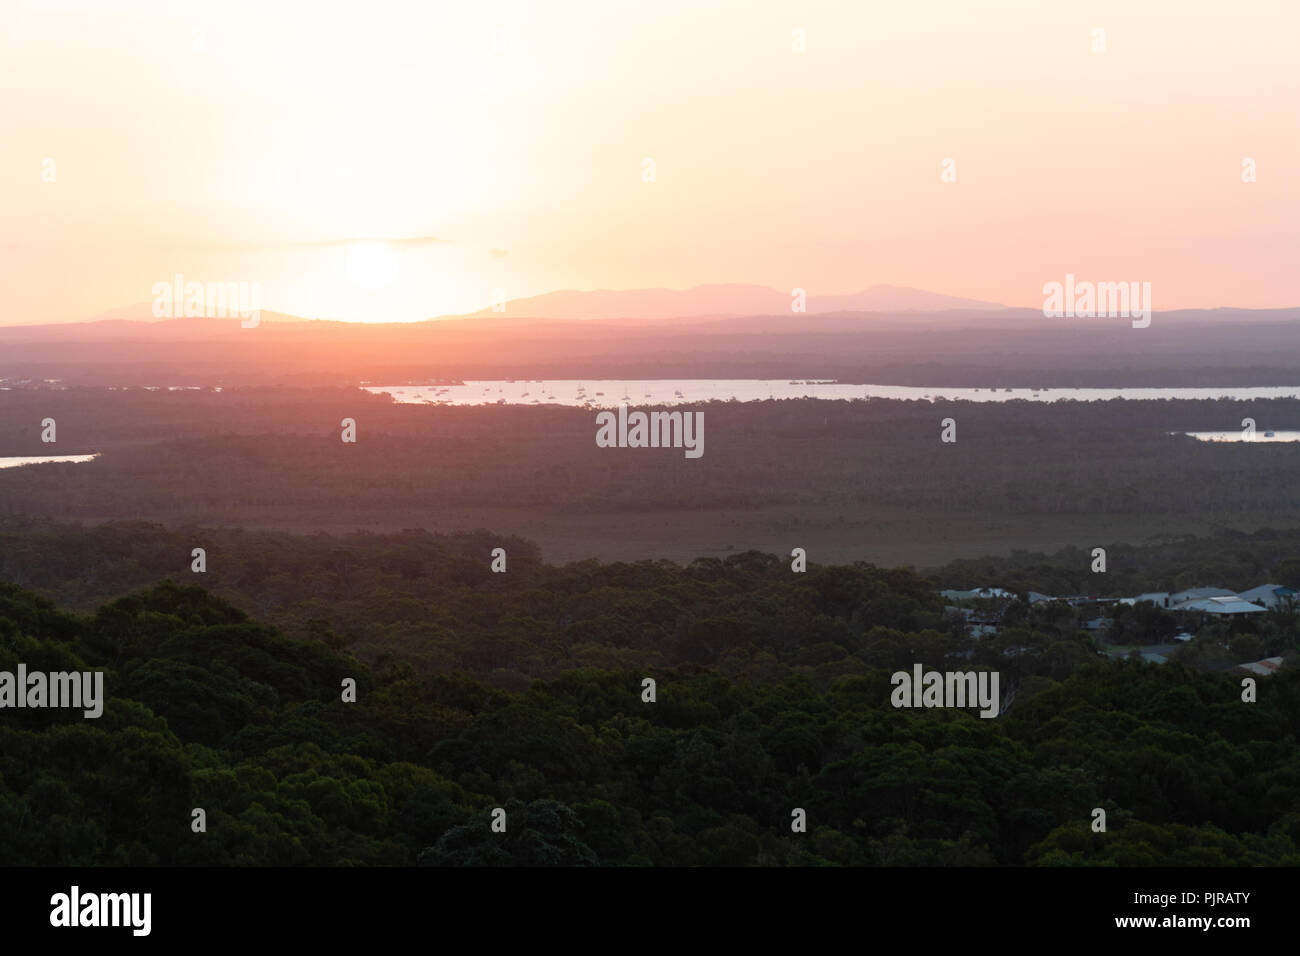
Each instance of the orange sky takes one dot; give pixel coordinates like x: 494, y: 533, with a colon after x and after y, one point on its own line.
x: 250, y: 141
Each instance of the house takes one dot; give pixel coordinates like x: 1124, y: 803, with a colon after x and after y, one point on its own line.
x: 1270, y: 595
x: 1036, y: 598
x: 1221, y: 605
x: 1265, y: 668
x: 1198, y: 594
x: 980, y: 624
x: 977, y: 593
x: 1158, y: 598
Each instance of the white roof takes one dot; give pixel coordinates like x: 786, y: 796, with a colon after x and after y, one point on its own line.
x: 1267, y: 666
x: 977, y: 593
x: 1192, y: 594
x: 1221, y: 605
x: 1265, y: 591
x: 1155, y: 597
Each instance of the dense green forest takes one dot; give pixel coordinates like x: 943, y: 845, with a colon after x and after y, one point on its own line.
x: 772, y: 694
x: 433, y: 603
x: 1229, y: 559
x: 523, y: 689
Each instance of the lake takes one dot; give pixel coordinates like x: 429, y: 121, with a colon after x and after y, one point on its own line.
x: 677, y: 391
x: 1235, y: 435
x: 43, y: 459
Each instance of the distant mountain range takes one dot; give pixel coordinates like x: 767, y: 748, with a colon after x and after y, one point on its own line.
x: 719, y: 307
x: 882, y: 335
x: 726, y: 300
x: 700, y: 302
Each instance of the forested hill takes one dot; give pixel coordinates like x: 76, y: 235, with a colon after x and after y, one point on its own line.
x: 209, y: 709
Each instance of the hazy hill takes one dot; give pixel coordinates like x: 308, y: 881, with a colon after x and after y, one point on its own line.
x: 715, y: 300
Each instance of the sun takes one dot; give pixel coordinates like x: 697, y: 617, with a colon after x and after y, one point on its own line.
x: 372, y: 265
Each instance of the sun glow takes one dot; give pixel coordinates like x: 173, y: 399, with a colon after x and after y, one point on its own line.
x: 372, y: 265
x: 302, y: 138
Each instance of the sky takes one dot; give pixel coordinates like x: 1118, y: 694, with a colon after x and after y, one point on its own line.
x: 395, y: 161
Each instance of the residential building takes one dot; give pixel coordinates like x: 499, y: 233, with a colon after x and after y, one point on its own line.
x: 1158, y: 598
x: 1197, y: 594
x: 1265, y: 668
x: 1221, y: 605
x: 1270, y: 595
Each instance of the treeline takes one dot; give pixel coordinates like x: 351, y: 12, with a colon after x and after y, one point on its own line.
x: 209, y: 709
x: 1228, y: 559
x: 433, y: 603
